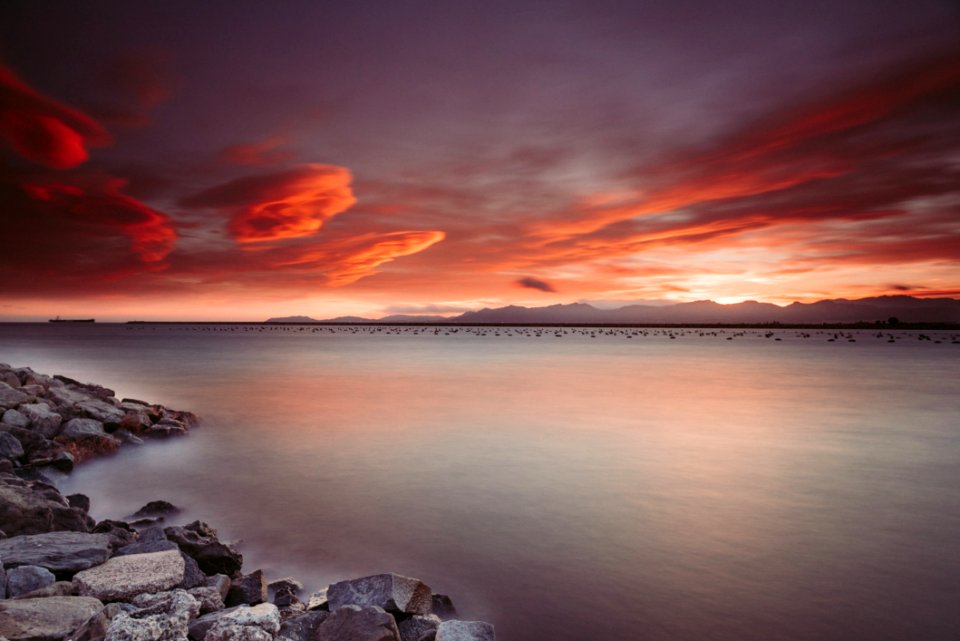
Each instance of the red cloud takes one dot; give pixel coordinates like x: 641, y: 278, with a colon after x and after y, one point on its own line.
x: 103, y: 206
x: 264, y: 152
x: 41, y: 129
x: 288, y: 204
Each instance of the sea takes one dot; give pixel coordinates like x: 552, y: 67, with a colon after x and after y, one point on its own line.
x: 570, y: 484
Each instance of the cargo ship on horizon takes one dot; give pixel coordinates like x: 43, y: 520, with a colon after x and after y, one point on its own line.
x: 72, y: 320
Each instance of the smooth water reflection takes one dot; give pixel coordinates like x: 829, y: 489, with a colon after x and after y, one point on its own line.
x: 561, y: 488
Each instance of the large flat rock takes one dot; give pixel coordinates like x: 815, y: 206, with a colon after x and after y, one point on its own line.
x: 124, y: 577
x: 62, y: 552
x: 45, y: 619
x: 392, y: 592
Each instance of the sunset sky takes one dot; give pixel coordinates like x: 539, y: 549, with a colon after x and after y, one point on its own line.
x: 239, y: 160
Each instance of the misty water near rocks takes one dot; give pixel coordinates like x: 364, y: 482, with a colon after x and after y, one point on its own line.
x: 563, y: 484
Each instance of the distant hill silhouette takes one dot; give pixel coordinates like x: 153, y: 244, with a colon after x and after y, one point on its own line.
x: 907, y: 309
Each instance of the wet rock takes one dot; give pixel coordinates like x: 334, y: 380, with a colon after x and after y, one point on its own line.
x: 200, y: 541
x: 120, y: 532
x: 14, y: 418
x: 258, y: 623
x: 59, y: 552
x: 250, y: 589
x: 33, y: 508
x: 45, y: 619
x: 465, y: 631
x: 392, y: 592
x: 358, y: 624
x: 27, y: 578
x: 42, y: 419
x: 146, y: 547
x: 79, y: 501
x: 124, y: 577
x: 124, y: 436
x: 160, y: 617
x: 63, y: 462
x: 443, y: 607
x: 166, y: 427
x: 95, y: 628
x: 11, y: 397
x: 10, y: 446
x: 302, y: 627
x: 155, y: 509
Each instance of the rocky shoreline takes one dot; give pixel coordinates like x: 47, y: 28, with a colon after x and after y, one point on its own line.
x: 65, y: 576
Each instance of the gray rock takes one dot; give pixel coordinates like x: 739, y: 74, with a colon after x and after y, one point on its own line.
x: 258, y: 623
x: 63, y: 397
x: 303, y: 627
x: 354, y: 623
x: 124, y: 577
x: 10, y: 378
x: 10, y: 446
x: 199, y: 627
x: 443, y: 607
x: 11, y: 397
x: 152, y: 533
x: 208, y: 597
x: 45, y: 619
x: 81, y: 428
x: 160, y: 617
x: 64, y: 552
x: 101, y: 411
x: 146, y: 547
x: 200, y: 541
x: 418, y: 625
x: 27, y: 578
x: 392, y: 592
x: 37, y: 508
x: 192, y: 575
x: 221, y: 582
x: 95, y: 628
x: 250, y: 589
x: 43, y: 420
x: 155, y: 509
x: 465, y: 631
x: 15, y: 418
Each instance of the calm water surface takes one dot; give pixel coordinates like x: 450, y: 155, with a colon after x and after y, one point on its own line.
x: 567, y: 488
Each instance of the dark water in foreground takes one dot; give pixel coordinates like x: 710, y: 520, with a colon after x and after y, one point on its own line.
x: 564, y: 488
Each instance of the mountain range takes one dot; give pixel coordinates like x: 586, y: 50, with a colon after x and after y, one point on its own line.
x: 906, y: 309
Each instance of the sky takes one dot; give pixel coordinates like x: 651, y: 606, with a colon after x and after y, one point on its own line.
x: 240, y: 160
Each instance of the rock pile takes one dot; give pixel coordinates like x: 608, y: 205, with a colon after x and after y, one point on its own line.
x: 66, y: 577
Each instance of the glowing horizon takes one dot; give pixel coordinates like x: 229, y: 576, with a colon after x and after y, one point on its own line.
x: 462, y: 160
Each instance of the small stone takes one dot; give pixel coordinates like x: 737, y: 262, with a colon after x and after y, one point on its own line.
x: 465, y: 631
x: 27, y: 578
x: 124, y: 577
x: 250, y: 589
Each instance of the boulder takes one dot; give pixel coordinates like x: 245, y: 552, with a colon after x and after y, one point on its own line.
x: 318, y: 600
x: 208, y: 597
x: 15, y: 418
x: 392, y: 592
x: 250, y: 589
x: 45, y: 619
x: 120, y: 532
x: 287, y: 583
x: 160, y: 617
x: 80, y: 501
x: 59, y: 588
x: 10, y: 446
x: 9, y: 377
x: 36, y: 508
x: 443, y: 607
x: 221, y: 582
x: 124, y: 577
x: 27, y: 578
x: 200, y: 541
x: 65, y: 398
x: 166, y: 427
x: 59, y: 552
x: 418, y: 625
x: 87, y: 389
x: 465, y: 631
x: 82, y: 428
x: 156, y: 509
x: 258, y: 623
x: 101, y: 411
x: 11, y: 397
x: 193, y: 577
x: 302, y: 627
x: 199, y: 627
x: 358, y: 624
x: 146, y: 547
x: 95, y: 628
x: 43, y: 420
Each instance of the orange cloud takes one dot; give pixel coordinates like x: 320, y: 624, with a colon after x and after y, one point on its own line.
x: 277, y: 206
x: 355, y: 258
x: 43, y: 130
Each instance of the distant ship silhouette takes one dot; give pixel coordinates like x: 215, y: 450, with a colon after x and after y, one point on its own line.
x: 72, y: 320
